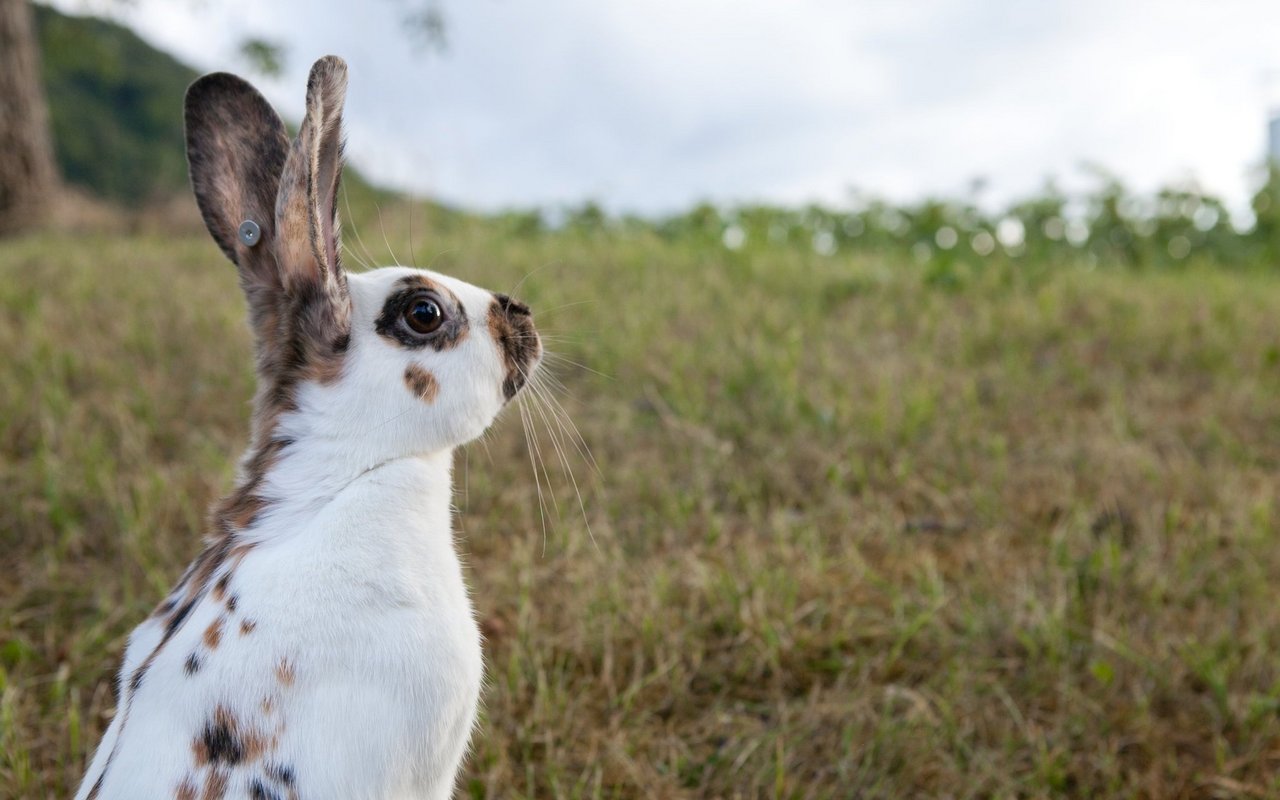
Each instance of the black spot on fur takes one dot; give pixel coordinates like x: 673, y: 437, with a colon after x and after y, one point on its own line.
x: 231, y: 603
x: 220, y: 743
x: 391, y: 325
x: 257, y: 791
x: 280, y: 773
x: 192, y: 665
x: 135, y: 680
x: 512, y: 307
x: 179, y: 617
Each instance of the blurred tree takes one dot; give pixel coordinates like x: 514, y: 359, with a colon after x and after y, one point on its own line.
x: 263, y: 56
x: 1266, y: 210
x: 28, y: 175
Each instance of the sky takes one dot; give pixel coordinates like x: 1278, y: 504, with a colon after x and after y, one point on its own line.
x: 649, y: 106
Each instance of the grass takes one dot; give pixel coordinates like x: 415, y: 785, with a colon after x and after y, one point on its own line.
x: 857, y: 531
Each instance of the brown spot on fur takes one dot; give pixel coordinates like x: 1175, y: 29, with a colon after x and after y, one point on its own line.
x: 220, y: 588
x: 247, y: 626
x: 213, y: 633
x: 422, y: 383
x: 215, y: 786
x: 268, y: 704
x: 511, y: 326
x: 185, y: 790
x: 285, y: 672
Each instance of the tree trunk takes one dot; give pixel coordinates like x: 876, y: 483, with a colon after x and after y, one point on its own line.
x: 28, y: 177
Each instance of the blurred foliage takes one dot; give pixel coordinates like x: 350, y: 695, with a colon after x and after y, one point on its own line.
x: 263, y: 56
x: 115, y: 107
x: 1106, y: 224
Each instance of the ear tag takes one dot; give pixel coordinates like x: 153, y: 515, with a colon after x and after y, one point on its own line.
x: 250, y: 233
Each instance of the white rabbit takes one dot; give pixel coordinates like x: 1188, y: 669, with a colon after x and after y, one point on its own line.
x: 323, y: 644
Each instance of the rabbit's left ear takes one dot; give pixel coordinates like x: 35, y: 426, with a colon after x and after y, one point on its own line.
x: 309, y: 244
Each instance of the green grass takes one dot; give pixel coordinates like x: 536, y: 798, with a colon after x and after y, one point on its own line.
x: 858, y: 530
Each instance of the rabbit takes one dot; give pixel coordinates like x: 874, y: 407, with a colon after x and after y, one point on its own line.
x: 323, y: 644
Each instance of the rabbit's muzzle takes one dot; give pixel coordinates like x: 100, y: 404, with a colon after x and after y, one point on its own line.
x: 511, y: 323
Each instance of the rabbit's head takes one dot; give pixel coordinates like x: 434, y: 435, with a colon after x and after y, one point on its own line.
x: 381, y: 364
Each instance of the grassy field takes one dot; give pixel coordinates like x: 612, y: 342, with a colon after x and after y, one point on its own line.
x: 853, y: 532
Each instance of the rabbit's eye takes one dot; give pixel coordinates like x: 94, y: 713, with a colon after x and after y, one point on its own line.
x: 423, y: 315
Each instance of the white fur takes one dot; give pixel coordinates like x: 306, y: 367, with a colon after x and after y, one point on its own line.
x: 353, y: 580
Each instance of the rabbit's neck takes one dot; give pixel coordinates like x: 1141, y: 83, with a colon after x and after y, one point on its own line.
x: 305, y: 478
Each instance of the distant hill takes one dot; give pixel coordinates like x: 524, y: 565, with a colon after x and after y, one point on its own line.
x: 115, y: 107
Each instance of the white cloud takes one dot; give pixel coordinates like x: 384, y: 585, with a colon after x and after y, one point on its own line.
x: 653, y: 105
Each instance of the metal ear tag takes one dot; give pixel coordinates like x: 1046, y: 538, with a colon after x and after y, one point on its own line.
x: 250, y: 233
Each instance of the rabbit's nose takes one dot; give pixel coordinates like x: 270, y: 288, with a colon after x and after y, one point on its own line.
x: 512, y: 307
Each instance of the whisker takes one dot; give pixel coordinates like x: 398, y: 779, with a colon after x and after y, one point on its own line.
x: 385, y: 422
x: 563, y: 359
x: 544, y: 312
x: 527, y: 276
x: 441, y: 254
x: 538, y: 449
x: 537, y: 482
x: 368, y: 261
x: 413, y: 254
x: 572, y: 433
x: 383, y: 228
x: 546, y: 411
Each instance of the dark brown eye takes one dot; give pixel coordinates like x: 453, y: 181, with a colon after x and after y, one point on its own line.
x: 423, y: 315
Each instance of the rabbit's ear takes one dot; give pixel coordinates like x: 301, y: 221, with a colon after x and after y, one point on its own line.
x: 310, y: 243
x: 236, y: 149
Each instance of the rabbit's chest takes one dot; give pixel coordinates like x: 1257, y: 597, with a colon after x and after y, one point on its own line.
x: 348, y: 677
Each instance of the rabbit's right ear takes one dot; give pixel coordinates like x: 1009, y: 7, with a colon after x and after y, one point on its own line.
x: 236, y: 150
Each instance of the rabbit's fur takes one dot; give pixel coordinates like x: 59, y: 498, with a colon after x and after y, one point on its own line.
x: 323, y: 644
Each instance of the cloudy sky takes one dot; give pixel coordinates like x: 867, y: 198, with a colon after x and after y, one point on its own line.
x: 651, y: 105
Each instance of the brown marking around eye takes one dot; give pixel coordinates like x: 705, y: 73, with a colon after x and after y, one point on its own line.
x: 389, y: 324
x: 422, y: 383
